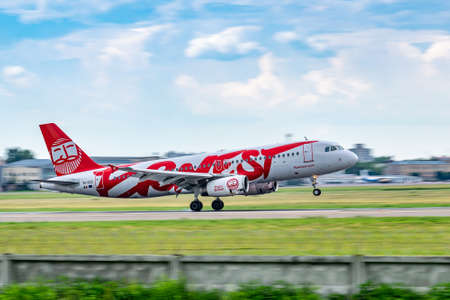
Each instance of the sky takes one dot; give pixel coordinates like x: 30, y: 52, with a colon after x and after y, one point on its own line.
x: 128, y: 77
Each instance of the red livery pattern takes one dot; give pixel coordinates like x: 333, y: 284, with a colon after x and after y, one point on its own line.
x: 204, y: 174
x: 66, y: 156
x: 218, y: 188
x: 233, y: 184
x: 208, y: 163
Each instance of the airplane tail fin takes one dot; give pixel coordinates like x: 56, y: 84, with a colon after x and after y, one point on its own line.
x: 66, y: 156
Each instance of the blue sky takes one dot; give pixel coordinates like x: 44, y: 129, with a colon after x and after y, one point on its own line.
x: 125, y: 77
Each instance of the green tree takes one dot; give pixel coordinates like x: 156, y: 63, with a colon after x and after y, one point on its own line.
x: 383, y: 159
x: 443, y: 175
x: 16, y: 154
x: 370, y: 166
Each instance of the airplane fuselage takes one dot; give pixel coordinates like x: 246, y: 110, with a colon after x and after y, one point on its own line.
x: 266, y: 164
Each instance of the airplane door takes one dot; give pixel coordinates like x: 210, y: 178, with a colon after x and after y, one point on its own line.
x: 219, y: 165
x: 99, y: 180
x: 308, y: 155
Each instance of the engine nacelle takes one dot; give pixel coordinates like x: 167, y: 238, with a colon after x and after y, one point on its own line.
x: 262, y: 188
x: 227, y: 186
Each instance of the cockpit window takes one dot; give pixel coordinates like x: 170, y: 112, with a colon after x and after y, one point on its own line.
x: 333, y: 148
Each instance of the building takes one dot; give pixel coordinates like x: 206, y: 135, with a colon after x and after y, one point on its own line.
x: 20, y: 175
x: 337, y: 178
x: 2, y: 162
x: 425, y: 169
x: 442, y: 158
x: 363, y: 153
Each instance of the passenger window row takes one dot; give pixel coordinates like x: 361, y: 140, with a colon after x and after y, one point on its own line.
x: 291, y: 154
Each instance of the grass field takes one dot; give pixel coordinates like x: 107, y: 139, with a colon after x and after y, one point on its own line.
x: 313, y: 236
x: 285, y: 198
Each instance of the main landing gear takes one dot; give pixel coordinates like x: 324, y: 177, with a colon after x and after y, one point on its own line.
x: 217, y: 204
x: 316, y: 191
x: 196, y: 205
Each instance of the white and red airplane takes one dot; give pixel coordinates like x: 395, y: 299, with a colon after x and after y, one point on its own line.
x: 249, y: 171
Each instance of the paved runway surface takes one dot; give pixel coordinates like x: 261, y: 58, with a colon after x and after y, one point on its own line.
x: 211, y: 215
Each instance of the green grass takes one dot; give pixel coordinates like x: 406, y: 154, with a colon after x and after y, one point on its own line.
x: 310, y: 236
x: 171, y: 289
x: 286, y: 198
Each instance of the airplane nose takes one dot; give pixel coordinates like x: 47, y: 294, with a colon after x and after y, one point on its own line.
x: 352, y: 158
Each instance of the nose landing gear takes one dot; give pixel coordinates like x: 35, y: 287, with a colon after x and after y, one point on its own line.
x: 316, y: 191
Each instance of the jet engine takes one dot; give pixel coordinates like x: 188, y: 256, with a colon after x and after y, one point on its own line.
x: 262, y: 188
x: 227, y: 186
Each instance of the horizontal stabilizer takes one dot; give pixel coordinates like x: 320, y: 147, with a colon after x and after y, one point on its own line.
x: 60, y: 182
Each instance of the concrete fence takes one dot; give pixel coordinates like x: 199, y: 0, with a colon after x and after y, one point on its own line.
x: 341, y: 274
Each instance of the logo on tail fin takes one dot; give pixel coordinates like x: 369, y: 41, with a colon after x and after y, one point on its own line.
x: 65, y: 155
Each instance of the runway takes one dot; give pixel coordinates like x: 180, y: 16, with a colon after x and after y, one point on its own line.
x: 222, y: 215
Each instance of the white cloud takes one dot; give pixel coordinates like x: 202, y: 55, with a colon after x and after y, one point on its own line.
x: 333, y: 81
x: 113, y: 59
x: 104, y: 65
x: 384, y: 71
x: 400, y: 73
x: 35, y: 10
x: 5, y: 92
x: 12, y: 71
x: 17, y: 76
x: 397, y: 47
x: 111, y: 45
x: 231, y: 41
x: 353, y: 6
x: 285, y: 36
x: 264, y: 92
x: 439, y: 49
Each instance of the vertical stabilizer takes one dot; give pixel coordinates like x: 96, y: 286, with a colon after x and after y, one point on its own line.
x: 66, y: 156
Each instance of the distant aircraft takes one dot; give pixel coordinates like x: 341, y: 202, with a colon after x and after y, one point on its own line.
x: 365, y: 177
x: 377, y: 179
x: 250, y: 171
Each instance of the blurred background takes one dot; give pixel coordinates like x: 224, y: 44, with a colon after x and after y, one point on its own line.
x: 133, y: 80
x: 21, y: 166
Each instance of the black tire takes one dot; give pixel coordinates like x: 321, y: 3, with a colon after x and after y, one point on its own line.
x: 217, y: 204
x: 317, y: 192
x: 196, y: 205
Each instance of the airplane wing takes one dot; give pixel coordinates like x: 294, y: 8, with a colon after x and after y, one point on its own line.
x: 60, y: 182
x: 186, y: 180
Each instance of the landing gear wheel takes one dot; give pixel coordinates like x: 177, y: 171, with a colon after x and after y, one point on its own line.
x: 217, y: 204
x: 196, y: 205
x: 317, y: 192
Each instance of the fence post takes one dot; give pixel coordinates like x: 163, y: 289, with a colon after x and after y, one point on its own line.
x: 358, y: 273
x: 5, y: 270
x: 174, y: 267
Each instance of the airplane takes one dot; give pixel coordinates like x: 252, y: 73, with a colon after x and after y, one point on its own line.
x: 366, y: 178
x: 250, y: 171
